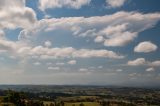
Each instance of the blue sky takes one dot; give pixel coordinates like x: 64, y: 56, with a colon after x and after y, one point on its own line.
x: 96, y: 42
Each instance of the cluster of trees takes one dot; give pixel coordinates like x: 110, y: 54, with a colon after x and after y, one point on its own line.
x: 19, y: 99
x: 15, y: 98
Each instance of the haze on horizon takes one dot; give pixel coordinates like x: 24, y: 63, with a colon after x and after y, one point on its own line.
x: 86, y: 42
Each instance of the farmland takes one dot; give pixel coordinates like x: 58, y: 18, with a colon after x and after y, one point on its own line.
x: 42, y: 95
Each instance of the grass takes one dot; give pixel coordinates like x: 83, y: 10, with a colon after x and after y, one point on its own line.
x: 84, y: 97
x: 85, y: 104
x: 47, y: 102
x: 8, y: 104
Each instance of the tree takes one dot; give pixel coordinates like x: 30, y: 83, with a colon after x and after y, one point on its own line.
x: 62, y: 103
x: 16, y: 98
x: 81, y: 104
x: 51, y: 104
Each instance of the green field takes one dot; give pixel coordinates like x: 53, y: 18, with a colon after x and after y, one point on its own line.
x: 85, y: 104
x: 6, y: 104
x: 76, y: 98
x: 47, y: 102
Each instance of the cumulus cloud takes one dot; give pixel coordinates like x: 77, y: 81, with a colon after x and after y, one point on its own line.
x: 122, y: 40
x: 23, y: 50
x: 145, y: 47
x: 47, y: 43
x: 72, y: 62
x: 99, y: 39
x: 117, y: 29
x: 143, y: 61
x: 84, y: 53
x: 115, y: 3
x: 137, y: 62
x: 76, y: 4
x: 15, y: 14
x: 155, y: 63
x: 150, y: 69
x: 10, y: 46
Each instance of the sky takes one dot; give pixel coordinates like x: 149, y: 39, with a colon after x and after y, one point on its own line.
x: 86, y: 42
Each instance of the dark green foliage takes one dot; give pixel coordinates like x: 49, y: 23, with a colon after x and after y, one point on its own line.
x: 51, y: 104
x: 16, y: 98
x: 81, y: 104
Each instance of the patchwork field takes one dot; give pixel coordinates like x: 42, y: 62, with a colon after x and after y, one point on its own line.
x: 85, y: 104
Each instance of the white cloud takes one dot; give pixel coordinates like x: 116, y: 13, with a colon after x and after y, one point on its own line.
x: 84, y: 53
x: 150, y: 69
x: 118, y: 35
x: 2, y: 34
x: 48, y: 44
x: 100, y: 67
x: 137, y: 62
x: 53, y: 68
x: 117, y: 29
x: 99, y: 39
x: 133, y: 74
x: 72, y: 62
x: 76, y: 4
x: 10, y: 46
x: 155, y: 63
x: 112, y: 30
x: 90, y: 32
x: 60, y: 64
x: 22, y: 50
x: 83, y: 70
x: 145, y: 47
x: 119, y: 70
x: 37, y: 63
x: 14, y: 14
x: 121, y: 39
x: 115, y: 3
x: 143, y: 61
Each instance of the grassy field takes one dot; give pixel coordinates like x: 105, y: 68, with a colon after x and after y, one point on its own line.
x: 76, y: 98
x: 85, y: 104
x: 1, y: 98
x: 8, y: 104
x: 85, y: 97
x: 47, y: 102
x: 3, y: 104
